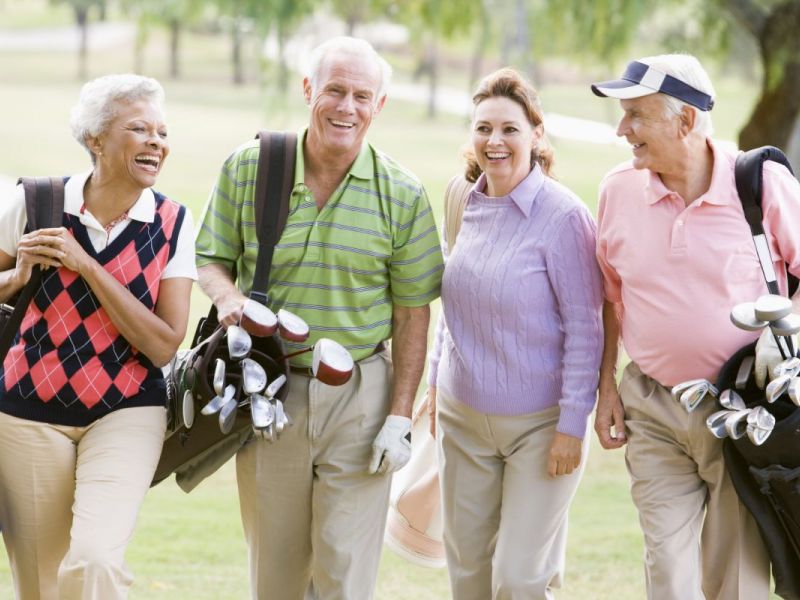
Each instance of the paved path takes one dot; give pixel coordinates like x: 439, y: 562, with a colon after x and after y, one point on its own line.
x: 448, y: 100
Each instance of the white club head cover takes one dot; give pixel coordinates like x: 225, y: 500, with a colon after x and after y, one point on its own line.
x: 391, y: 449
x: 767, y: 356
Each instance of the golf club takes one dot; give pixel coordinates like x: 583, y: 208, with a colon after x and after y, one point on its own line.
x: 736, y: 423
x: 217, y: 402
x: 239, y: 342
x: 254, y: 377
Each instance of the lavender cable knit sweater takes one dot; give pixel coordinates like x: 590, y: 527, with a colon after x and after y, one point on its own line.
x: 520, y: 328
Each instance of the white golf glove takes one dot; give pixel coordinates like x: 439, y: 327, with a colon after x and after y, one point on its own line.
x: 392, y: 446
x: 768, y: 355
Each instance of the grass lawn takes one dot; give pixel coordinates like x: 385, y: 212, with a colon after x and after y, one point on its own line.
x: 191, y: 546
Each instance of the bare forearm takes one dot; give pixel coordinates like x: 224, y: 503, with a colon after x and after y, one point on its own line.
x: 611, y: 335
x: 409, y: 344
x: 10, y: 284
x: 146, y: 331
x: 216, y: 281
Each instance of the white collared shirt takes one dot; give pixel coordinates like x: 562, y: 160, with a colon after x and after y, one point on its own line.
x: 13, y: 219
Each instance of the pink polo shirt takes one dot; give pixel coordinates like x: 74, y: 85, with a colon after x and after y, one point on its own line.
x: 678, y: 270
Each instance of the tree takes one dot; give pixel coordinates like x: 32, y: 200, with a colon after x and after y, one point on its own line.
x: 775, y: 27
x: 428, y: 21
x: 80, y: 9
x: 605, y: 27
x: 173, y: 14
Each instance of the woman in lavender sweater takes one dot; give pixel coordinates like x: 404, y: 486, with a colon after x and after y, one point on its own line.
x: 514, y: 368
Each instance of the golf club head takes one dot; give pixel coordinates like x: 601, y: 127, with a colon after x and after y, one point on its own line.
x: 716, y: 423
x: 254, y: 377
x: 744, y: 317
x: 187, y: 409
x: 239, y: 342
x: 262, y: 412
x: 275, y: 386
x: 291, y: 327
x: 736, y: 423
x: 258, y: 320
x: 760, y: 417
x: 794, y: 391
x: 777, y: 387
x: 743, y: 374
x: 280, y: 418
x: 693, y: 396
x: 731, y: 400
x: 788, y: 325
x: 227, y: 416
x: 790, y: 367
x: 332, y: 364
x: 771, y: 307
x: 219, y: 376
x: 679, y: 388
x: 217, y: 402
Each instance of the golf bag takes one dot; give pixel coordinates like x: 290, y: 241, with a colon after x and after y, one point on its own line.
x: 195, y: 447
x: 766, y: 477
x: 44, y: 205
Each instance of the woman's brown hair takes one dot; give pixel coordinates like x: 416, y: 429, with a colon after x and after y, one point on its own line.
x: 508, y: 83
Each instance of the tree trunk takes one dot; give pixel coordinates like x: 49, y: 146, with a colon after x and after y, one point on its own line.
x: 174, y: 48
x: 433, y: 76
x: 777, y: 109
x: 82, y: 20
x: 236, y: 53
x: 481, y: 43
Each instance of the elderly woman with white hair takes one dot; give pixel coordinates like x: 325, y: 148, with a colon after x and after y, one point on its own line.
x: 82, y: 396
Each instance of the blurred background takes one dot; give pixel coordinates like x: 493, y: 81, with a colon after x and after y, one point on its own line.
x: 232, y: 67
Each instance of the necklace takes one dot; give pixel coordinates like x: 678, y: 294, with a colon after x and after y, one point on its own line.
x: 111, y: 224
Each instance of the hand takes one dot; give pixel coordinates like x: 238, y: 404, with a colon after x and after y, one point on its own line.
x: 40, y: 247
x: 230, y: 307
x: 610, y: 413
x: 432, y: 410
x: 564, y: 456
x: 74, y: 257
x: 392, y: 447
x: 767, y: 356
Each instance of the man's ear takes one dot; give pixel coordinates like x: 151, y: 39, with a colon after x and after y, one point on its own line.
x: 688, y: 117
x: 307, y: 90
x: 379, y: 105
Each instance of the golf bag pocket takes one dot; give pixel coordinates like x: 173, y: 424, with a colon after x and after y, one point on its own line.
x: 781, y: 486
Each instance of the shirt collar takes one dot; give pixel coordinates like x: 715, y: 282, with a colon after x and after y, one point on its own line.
x: 718, y: 192
x: 360, y: 169
x: 144, y: 209
x: 524, y: 195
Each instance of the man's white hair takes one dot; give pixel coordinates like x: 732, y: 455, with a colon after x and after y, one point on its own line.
x: 348, y: 45
x: 689, y: 70
x: 100, y: 98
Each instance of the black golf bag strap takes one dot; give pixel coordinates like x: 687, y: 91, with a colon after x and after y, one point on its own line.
x: 749, y: 185
x: 274, y: 182
x: 44, y: 205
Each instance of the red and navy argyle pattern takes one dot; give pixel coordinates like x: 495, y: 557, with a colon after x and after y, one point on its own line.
x: 70, y: 365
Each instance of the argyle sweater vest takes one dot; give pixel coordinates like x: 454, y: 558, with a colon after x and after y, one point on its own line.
x: 70, y: 365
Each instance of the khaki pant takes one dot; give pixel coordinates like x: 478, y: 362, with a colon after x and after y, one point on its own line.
x: 69, y: 498
x: 313, y: 517
x: 700, y: 541
x: 505, y: 519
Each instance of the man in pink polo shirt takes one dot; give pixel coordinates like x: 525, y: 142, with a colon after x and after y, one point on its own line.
x: 677, y: 255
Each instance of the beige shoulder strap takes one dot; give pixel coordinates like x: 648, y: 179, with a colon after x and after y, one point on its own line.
x: 455, y: 199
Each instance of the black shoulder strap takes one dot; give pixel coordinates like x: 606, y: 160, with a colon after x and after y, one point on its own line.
x: 749, y: 185
x: 44, y: 204
x: 274, y: 183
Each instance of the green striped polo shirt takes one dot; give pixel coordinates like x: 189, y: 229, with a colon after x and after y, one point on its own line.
x: 341, y: 269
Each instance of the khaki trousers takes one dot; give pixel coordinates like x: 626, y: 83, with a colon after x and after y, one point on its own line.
x: 313, y: 517
x: 700, y: 541
x: 69, y: 499
x: 505, y: 519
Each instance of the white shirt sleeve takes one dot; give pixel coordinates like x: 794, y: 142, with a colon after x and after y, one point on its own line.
x: 182, y: 263
x: 13, y: 219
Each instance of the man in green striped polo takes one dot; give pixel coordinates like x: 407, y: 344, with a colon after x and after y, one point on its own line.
x: 359, y: 260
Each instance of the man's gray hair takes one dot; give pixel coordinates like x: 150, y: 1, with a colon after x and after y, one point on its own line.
x: 99, y: 99
x: 348, y: 45
x: 689, y: 70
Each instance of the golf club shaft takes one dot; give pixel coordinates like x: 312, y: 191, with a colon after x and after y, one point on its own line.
x: 310, y: 348
x: 778, y: 342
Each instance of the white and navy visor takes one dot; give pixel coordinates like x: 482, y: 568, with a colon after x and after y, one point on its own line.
x: 640, y: 80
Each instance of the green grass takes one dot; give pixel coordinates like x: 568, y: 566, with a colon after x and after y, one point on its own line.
x: 191, y: 546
